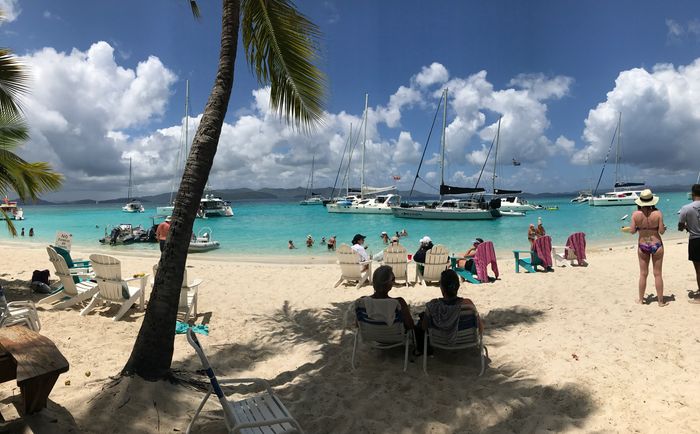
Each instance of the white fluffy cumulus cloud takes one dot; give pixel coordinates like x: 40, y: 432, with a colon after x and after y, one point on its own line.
x: 659, y: 130
x: 82, y: 102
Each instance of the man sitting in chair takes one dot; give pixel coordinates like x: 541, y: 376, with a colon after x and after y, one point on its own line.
x: 443, y: 313
x: 358, y: 242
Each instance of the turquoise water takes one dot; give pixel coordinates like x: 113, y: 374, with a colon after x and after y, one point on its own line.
x: 260, y: 228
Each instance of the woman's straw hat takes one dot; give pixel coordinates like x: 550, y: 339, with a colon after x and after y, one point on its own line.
x: 647, y: 198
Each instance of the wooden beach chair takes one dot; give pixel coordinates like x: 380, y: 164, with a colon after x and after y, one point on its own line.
x: 397, y: 259
x: 436, y: 261
x: 468, y: 336
x: 263, y: 413
x: 112, y: 288
x: 76, y: 266
x: 378, y: 334
x: 351, y: 268
x: 188, y: 295
x: 75, y: 287
x: 574, y: 250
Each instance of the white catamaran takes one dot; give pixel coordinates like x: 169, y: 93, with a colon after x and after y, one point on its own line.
x: 475, y: 207
x: 623, y: 193
x: 132, y: 205
x: 369, y: 201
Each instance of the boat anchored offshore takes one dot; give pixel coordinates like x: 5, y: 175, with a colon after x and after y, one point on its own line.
x: 11, y: 210
x: 474, y: 207
x: 212, y: 206
x: 311, y: 198
x: 125, y: 233
x: 203, y: 242
x: 132, y: 205
x: 624, y: 193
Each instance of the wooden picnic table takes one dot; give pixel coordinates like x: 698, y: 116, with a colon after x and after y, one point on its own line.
x: 34, y: 361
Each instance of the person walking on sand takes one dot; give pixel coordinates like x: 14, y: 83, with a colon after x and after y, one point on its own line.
x: 162, y: 232
x: 649, y: 222
x: 689, y: 220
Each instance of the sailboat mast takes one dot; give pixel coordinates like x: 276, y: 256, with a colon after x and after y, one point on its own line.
x: 311, y: 189
x: 442, y: 145
x: 495, y: 154
x: 128, y: 192
x: 364, y: 142
x: 617, y: 151
x: 347, y: 170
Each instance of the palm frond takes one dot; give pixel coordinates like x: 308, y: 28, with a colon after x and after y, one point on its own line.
x: 281, y: 47
x: 10, y: 226
x: 13, y: 82
x: 13, y: 130
x: 195, y: 9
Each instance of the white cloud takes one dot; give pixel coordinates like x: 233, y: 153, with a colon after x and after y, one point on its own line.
x: 10, y: 10
x: 675, y: 29
x: 659, y: 120
x: 433, y: 74
x: 540, y: 87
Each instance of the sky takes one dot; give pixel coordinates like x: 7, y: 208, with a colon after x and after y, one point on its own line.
x: 108, y: 85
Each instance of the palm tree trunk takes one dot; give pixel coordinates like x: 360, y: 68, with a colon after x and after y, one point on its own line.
x: 153, y: 351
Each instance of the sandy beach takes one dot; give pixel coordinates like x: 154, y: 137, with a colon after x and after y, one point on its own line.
x: 569, y: 351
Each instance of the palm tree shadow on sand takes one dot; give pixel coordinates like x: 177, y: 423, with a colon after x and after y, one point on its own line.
x: 326, y: 394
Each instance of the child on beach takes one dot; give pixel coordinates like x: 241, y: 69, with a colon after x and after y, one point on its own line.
x: 649, y: 222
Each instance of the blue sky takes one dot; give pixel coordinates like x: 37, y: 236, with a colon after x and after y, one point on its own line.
x: 109, y: 84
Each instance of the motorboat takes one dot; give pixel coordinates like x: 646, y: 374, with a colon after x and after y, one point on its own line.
x: 450, y: 209
x: 125, y: 233
x: 512, y: 213
x: 515, y: 203
x: 381, y: 204
x: 583, y: 196
x: 203, y: 242
x: 11, y: 210
x: 133, y: 206
x: 212, y: 206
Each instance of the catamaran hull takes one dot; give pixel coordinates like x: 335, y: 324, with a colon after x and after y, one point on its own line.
x: 436, y: 214
x: 622, y: 201
x: 354, y: 209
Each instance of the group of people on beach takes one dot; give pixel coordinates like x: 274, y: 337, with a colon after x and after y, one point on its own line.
x: 310, y: 242
x: 648, y: 222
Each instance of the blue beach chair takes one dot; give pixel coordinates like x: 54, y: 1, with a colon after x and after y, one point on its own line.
x: 468, y: 275
x: 74, y: 265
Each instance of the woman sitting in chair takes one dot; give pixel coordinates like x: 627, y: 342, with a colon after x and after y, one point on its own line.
x: 443, y: 313
x: 376, y: 305
x: 467, y: 260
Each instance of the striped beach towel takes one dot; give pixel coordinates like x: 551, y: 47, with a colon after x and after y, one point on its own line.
x: 543, y: 249
x: 485, y: 255
x: 577, y: 243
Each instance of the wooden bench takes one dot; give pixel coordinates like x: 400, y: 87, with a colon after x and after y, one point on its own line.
x: 34, y: 361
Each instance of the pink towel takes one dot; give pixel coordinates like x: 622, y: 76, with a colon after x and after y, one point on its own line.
x: 543, y: 248
x: 485, y: 255
x: 576, y: 242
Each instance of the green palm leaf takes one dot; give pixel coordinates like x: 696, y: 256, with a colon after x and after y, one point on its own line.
x: 13, y: 82
x: 281, y: 46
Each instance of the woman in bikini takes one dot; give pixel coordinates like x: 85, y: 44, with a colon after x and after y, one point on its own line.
x: 649, y: 222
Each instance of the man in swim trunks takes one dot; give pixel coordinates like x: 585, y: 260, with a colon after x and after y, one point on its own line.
x: 689, y: 220
x: 649, y: 222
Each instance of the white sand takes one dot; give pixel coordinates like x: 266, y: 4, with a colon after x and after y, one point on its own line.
x: 570, y: 351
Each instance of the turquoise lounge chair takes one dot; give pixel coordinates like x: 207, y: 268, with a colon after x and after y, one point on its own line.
x: 529, y: 264
x: 468, y: 275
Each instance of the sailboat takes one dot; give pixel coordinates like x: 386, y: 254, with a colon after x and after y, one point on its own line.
x: 311, y: 198
x: 132, y: 205
x: 511, y: 205
x: 623, y: 193
x: 474, y: 207
x: 369, y: 201
x: 210, y: 205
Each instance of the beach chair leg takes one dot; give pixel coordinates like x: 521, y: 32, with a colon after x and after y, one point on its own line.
x: 405, y: 356
x: 425, y: 354
x: 338, y: 282
x: 354, y: 348
x: 51, y: 298
x: 196, y: 413
x: 91, y: 305
x: 483, y: 360
x: 126, y: 306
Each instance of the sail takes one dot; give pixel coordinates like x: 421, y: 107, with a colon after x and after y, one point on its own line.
x: 448, y: 189
x: 502, y: 191
x: 376, y: 190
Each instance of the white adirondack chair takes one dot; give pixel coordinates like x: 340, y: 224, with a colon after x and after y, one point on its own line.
x: 351, y: 268
x: 112, y: 288
x: 396, y: 258
x: 20, y: 313
x: 436, y: 261
x: 188, y: 294
x: 76, y: 287
x: 468, y: 336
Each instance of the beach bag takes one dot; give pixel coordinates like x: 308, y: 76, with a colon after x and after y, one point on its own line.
x: 41, y: 276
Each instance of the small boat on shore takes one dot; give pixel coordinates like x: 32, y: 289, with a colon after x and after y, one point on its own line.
x: 203, y: 242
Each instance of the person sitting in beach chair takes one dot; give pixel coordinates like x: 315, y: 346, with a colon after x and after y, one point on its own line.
x: 419, y: 257
x: 467, y: 259
x: 381, y: 320
x: 443, y: 313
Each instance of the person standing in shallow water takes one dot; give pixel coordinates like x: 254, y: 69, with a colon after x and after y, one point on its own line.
x: 31, y: 232
x: 649, y: 223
